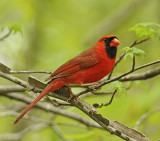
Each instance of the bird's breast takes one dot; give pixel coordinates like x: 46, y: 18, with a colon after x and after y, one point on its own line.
x: 98, y: 71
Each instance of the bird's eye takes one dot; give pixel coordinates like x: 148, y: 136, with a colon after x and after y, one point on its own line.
x: 105, y: 39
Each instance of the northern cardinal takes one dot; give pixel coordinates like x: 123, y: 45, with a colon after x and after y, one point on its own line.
x: 88, y: 67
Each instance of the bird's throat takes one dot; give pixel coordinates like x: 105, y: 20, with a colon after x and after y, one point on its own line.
x: 111, y: 51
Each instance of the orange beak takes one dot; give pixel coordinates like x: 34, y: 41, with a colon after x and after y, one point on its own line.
x: 114, y: 43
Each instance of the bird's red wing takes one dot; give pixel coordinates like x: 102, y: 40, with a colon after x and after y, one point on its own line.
x: 84, y: 60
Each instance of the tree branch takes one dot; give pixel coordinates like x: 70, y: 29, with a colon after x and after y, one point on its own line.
x: 111, y: 126
x: 114, y: 127
x: 12, y: 88
x: 29, y: 72
x: 142, y: 76
x: 49, y: 107
x: 133, y: 65
x: 5, y: 36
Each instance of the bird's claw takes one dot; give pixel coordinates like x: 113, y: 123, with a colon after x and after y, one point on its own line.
x: 72, y: 96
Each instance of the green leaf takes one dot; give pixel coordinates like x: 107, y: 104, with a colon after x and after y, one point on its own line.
x: 150, y: 30
x: 116, y: 85
x: 13, y: 28
x: 16, y: 28
x: 133, y: 52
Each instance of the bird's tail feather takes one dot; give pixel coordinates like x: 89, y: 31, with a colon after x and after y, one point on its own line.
x: 52, y: 86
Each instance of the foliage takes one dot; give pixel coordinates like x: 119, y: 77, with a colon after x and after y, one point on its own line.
x: 116, y: 85
x: 150, y: 30
x: 133, y: 52
x: 16, y: 28
x: 13, y: 28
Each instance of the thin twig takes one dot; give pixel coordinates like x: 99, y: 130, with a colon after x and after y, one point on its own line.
x: 110, y: 92
x: 51, y: 101
x: 28, y: 72
x: 59, y: 132
x: 139, y: 42
x: 146, y: 65
x: 133, y: 65
x: 56, y: 103
x: 144, y: 116
x: 103, y: 93
x: 105, y: 104
x: 5, y: 36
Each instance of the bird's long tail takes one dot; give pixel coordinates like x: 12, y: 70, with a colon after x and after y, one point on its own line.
x: 52, y: 86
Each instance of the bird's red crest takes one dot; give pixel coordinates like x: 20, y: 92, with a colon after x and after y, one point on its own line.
x: 107, y: 36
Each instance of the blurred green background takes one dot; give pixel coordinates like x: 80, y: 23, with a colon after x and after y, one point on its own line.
x: 54, y: 32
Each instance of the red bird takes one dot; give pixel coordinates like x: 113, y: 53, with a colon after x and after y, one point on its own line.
x: 88, y: 67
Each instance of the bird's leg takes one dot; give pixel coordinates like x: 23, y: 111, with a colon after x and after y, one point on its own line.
x: 71, y: 94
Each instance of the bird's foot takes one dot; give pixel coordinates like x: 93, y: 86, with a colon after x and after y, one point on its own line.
x: 72, y: 96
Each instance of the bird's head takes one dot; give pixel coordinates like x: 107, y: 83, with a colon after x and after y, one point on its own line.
x: 110, y: 40
x: 109, y: 43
